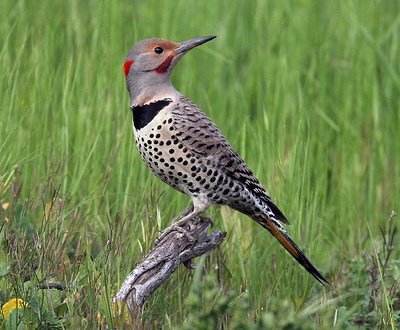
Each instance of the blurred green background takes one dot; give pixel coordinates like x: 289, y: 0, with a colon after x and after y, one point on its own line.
x: 308, y: 93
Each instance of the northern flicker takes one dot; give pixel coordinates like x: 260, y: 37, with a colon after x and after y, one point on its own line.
x: 185, y: 149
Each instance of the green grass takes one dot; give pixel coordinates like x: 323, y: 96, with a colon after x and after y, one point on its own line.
x: 308, y: 92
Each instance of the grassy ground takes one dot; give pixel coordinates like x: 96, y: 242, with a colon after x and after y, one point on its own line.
x: 307, y: 91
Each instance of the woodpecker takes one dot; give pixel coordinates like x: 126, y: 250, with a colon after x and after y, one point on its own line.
x: 184, y: 148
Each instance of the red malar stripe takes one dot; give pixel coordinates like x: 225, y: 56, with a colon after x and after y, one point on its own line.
x: 165, y: 65
x: 127, y: 66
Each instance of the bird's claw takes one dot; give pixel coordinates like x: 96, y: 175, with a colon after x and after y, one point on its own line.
x: 170, y: 229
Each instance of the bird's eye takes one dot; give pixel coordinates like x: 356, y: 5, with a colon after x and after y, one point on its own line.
x: 158, y: 50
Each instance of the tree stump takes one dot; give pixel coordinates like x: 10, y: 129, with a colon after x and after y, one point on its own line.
x: 178, y: 245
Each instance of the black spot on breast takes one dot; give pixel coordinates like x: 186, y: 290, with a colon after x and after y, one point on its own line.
x: 142, y: 115
x: 230, y: 163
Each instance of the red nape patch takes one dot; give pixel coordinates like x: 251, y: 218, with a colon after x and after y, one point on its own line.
x: 127, y: 66
x: 165, y: 65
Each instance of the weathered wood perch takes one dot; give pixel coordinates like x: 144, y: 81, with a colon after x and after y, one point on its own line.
x: 174, y: 247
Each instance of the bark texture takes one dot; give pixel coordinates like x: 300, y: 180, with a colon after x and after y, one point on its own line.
x: 177, y: 245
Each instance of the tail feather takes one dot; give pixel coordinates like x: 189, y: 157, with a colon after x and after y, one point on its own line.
x: 275, y: 228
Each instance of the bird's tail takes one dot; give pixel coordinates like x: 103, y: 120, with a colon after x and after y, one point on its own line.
x: 276, y: 229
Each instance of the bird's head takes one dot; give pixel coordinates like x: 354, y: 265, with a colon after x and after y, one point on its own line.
x: 149, y: 64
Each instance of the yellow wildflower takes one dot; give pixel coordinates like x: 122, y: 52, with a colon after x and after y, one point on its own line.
x: 11, y: 305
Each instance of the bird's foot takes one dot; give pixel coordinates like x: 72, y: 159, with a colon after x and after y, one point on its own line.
x: 184, y: 218
x: 183, y: 214
x: 176, y: 226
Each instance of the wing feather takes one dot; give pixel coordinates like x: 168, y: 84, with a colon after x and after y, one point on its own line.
x: 201, y: 136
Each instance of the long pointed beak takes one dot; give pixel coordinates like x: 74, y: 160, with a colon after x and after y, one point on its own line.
x: 189, y: 44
